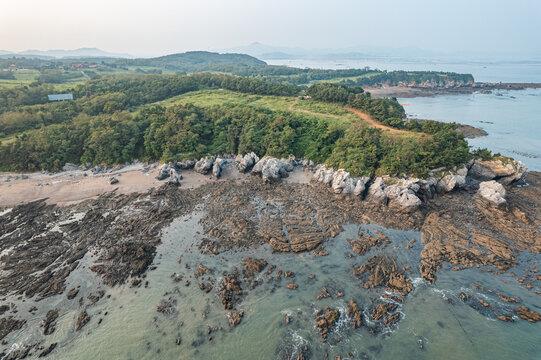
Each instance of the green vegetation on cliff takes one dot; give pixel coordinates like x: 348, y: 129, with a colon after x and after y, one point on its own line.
x: 169, y: 117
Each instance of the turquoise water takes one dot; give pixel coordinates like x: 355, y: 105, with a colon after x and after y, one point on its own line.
x: 131, y: 328
x: 512, y: 120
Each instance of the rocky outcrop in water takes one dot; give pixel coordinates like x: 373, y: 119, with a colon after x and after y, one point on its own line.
x: 252, y: 266
x: 354, y: 314
x: 234, y: 318
x: 82, y: 320
x: 229, y: 290
x: 326, y: 318
x: 49, y: 323
x: 383, y: 271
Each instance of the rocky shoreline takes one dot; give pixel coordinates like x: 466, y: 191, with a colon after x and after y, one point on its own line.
x: 473, y: 217
x: 431, y: 90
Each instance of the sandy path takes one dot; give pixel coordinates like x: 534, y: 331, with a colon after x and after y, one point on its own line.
x: 66, y: 188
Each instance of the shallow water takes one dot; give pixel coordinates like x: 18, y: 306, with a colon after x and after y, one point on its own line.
x: 432, y: 314
x: 512, y: 120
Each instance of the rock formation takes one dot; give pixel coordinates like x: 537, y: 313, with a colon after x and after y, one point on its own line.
x: 493, y: 192
x: 246, y: 163
x: 503, y: 170
x: 204, y: 165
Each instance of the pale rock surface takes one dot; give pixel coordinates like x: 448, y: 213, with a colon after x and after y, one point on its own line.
x: 493, y: 192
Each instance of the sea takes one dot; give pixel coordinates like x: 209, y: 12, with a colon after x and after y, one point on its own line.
x: 512, y: 119
x: 435, y: 322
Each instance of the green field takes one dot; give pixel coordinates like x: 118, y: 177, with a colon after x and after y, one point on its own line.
x: 311, y: 108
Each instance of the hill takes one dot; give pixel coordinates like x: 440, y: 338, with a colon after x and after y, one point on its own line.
x: 193, y: 61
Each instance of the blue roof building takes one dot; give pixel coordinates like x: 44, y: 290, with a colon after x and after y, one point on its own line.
x: 60, y: 97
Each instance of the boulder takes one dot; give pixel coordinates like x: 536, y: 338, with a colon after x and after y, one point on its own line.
x: 246, y: 163
x: 342, y: 182
x: 185, y: 165
x: 204, y: 165
x: 402, y: 195
x: 70, y: 167
x: 163, y: 172
x: 503, y: 170
x: 376, y: 191
x: 272, y: 169
x: 113, y: 180
x: 360, y: 185
x: 493, y: 192
x: 219, y: 164
x: 446, y: 184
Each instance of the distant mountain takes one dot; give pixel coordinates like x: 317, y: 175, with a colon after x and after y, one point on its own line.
x: 195, y: 61
x: 356, y: 52
x: 59, y: 54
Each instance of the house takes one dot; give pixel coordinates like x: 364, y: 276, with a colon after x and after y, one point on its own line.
x: 12, y: 67
x: 60, y: 97
x: 79, y: 66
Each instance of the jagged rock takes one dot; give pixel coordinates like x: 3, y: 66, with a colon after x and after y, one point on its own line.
x: 70, y: 167
x: 234, y: 318
x: 204, y: 165
x: 82, y: 320
x: 246, y: 163
x: 49, y: 323
x: 342, y: 182
x: 505, y: 172
x: 272, y: 169
x: 360, y: 186
x: 376, y: 191
x: 325, y: 321
x: 355, y: 314
x: 113, y: 180
x: 185, y: 165
x: 163, y: 172
x: 324, y: 175
x: 252, y: 266
x: 404, y: 192
x: 307, y: 163
x: 219, y: 164
x: 446, y: 184
x: 493, y: 192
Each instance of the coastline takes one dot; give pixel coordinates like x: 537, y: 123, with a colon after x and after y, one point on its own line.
x: 412, y: 92
x: 112, y: 240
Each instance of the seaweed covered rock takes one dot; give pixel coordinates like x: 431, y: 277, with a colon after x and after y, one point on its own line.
x: 326, y: 318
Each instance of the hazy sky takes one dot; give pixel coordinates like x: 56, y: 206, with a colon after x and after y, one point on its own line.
x: 155, y: 27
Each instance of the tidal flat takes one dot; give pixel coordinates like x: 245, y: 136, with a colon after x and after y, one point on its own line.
x: 241, y: 268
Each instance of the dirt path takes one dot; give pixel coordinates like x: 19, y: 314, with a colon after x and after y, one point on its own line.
x: 373, y: 122
x: 291, y: 108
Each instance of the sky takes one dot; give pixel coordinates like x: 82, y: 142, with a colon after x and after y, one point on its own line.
x: 157, y: 27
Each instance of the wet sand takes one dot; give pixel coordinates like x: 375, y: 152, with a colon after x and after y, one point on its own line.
x: 70, y: 187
